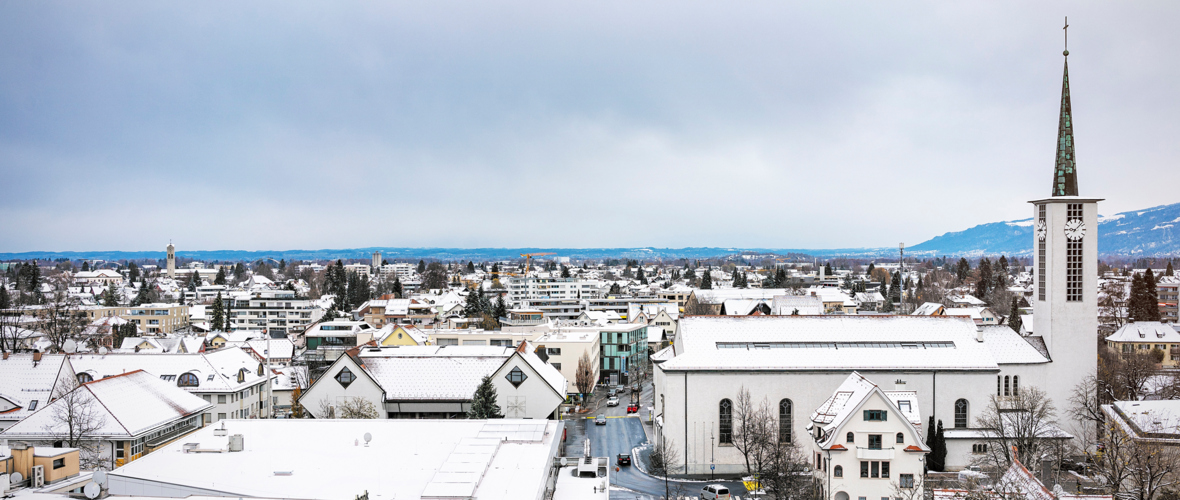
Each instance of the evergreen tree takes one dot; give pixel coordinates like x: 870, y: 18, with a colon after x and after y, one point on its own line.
x: 962, y: 269
x: 109, y: 297
x: 86, y: 266
x: 1152, y: 298
x: 706, y: 280
x: 1014, y: 319
x: 470, y: 267
x: 239, y: 272
x: 5, y: 299
x: 827, y: 269
x: 565, y: 271
x: 421, y: 266
x: 483, y: 403
x: 937, y: 457
x: 132, y: 272
x: 217, y: 323
x: 614, y: 289
x: 397, y: 287
x: 931, y: 435
x: 1169, y: 271
x: 690, y: 276
x: 194, y: 280
x: 501, y: 309
x: 983, y: 286
x: 220, y: 278
x: 142, y: 297
x: 641, y: 277
x: 1003, y: 265
x: 472, y: 307
x: 869, y: 273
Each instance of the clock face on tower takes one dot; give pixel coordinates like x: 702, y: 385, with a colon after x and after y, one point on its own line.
x: 1042, y: 231
x: 1075, y: 230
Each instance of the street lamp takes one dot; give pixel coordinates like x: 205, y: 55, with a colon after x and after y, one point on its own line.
x: 711, y: 461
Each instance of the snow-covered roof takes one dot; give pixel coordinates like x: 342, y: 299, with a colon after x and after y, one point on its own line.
x: 548, y: 372
x: 928, y: 309
x: 410, y: 373
x: 502, y: 459
x: 126, y: 405
x: 216, y: 371
x: 279, y: 348
x: 741, y: 307
x: 23, y: 380
x: 829, y: 343
x: 1148, y: 332
x: 807, y: 305
x: 1009, y: 347
x: 851, y: 395
x: 1157, y: 417
x: 717, y: 296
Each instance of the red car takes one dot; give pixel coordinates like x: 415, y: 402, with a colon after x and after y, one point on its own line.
x: 633, y: 408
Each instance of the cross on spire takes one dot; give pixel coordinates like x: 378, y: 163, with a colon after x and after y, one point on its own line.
x: 1066, y: 30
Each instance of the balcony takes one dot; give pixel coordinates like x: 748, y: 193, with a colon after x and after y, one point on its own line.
x: 870, y: 454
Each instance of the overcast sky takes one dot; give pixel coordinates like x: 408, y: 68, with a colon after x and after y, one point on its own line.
x: 281, y: 125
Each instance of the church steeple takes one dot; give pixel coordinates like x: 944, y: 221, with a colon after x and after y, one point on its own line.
x: 1065, y: 175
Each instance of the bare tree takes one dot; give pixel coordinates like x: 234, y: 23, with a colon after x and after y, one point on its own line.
x: 1153, y: 468
x: 1112, y: 303
x: 584, y: 377
x: 1024, y: 420
x: 663, y: 461
x: 13, y: 334
x: 753, y: 430
x: 695, y: 307
x: 351, y: 408
x: 62, y: 319
x: 75, y: 419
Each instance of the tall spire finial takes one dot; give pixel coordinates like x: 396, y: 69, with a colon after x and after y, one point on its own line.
x: 1066, y: 29
x: 1065, y: 177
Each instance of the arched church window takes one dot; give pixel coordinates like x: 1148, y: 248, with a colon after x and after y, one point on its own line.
x: 961, y: 413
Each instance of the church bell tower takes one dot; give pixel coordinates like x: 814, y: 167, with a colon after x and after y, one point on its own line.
x: 1065, y: 262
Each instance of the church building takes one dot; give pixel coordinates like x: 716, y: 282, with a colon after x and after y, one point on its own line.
x: 796, y: 363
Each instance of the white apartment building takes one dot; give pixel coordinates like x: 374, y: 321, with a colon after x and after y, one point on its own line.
x: 402, y: 271
x: 359, y: 269
x: 565, y: 346
x: 523, y: 288
x: 279, y: 312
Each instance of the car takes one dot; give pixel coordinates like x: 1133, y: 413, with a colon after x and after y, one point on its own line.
x: 632, y: 408
x: 613, y: 401
x: 623, y: 459
x: 715, y: 492
x: 600, y: 420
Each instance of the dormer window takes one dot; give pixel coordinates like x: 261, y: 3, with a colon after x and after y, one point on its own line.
x: 260, y: 369
x: 84, y: 377
x: 188, y: 380
x: 241, y: 375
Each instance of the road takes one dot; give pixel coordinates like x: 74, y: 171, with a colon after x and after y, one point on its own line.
x: 622, y: 434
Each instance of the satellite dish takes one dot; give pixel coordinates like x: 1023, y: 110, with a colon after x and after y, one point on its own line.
x: 70, y: 346
x: 92, y: 490
x: 16, y: 478
x: 100, y: 477
x: 368, y: 437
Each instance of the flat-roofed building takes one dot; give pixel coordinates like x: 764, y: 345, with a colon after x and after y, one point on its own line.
x: 279, y: 312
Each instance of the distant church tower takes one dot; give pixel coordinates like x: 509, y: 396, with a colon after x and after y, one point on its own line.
x: 376, y: 260
x: 171, y: 261
x: 1065, y: 264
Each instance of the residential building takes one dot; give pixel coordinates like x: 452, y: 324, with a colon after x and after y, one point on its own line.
x: 1143, y: 337
x: 359, y: 269
x: 154, y: 319
x: 565, y: 346
x: 99, y: 277
x: 502, y: 459
x: 59, y: 466
x: 438, y: 381
x: 230, y: 379
x: 397, y: 335
x: 1168, y: 290
x: 134, y: 413
x: 29, y: 381
x: 331, y: 338
x: 498, y: 338
x: 277, y: 312
x: 622, y: 353
x: 865, y: 442
x: 676, y: 293
x: 523, y: 288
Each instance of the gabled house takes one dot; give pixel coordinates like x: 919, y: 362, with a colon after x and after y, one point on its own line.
x: 29, y: 381
x: 397, y: 335
x: 866, y: 443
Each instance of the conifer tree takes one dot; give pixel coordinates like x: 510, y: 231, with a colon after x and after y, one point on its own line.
x: 483, y: 402
x: 931, y: 435
x: 614, y: 289
x: 1169, y: 271
x: 641, y: 277
x: 217, y: 322
x: 421, y: 266
x: 1014, y: 319
x: 472, y: 307
x: 827, y: 269
x: 1135, y: 309
x: 690, y: 275
x: 86, y: 266
x: 1151, y: 297
x: 5, y: 299
x: 937, y: 457
x: 706, y: 280
x: 220, y: 278
x: 397, y: 287
x: 132, y: 272
x: 869, y: 273
x: 985, y: 278
x: 962, y: 269
x: 109, y: 297
x: 565, y: 271
x: 470, y: 267
x: 501, y: 309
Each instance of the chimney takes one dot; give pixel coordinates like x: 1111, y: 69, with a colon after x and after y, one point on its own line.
x: 6, y: 356
x: 36, y: 357
x: 979, y: 334
x: 899, y: 385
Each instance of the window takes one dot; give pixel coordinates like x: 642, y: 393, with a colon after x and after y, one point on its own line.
x: 119, y: 451
x: 167, y: 378
x: 998, y: 380
x: 553, y: 351
x: 241, y: 375
x: 876, y: 415
x: 850, y: 438
x: 838, y: 471
x: 784, y: 421
x: 884, y: 469
x: 725, y: 423
x: 874, y: 469
x: 1007, y: 385
x: 221, y: 399
x: 900, y: 438
x: 874, y: 441
x: 84, y: 377
x: 1041, y: 256
x: 979, y: 448
x: 59, y: 463
x: 557, y: 366
x: 1015, y: 385
x: 1073, y: 259
x: 961, y: 414
x: 188, y: 380
x: 864, y: 470
x: 345, y: 377
x: 516, y: 376
x: 32, y: 405
x: 220, y: 416
x: 906, y: 480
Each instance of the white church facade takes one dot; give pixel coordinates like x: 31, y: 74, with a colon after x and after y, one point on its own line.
x: 955, y: 369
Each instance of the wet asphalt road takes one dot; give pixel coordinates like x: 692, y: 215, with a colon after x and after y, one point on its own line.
x: 622, y: 434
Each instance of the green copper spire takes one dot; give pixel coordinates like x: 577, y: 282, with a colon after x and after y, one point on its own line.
x: 1065, y: 175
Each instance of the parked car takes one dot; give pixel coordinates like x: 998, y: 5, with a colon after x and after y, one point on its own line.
x: 600, y: 420
x: 612, y: 401
x: 715, y: 492
x: 623, y: 459
x: 632, y: 408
